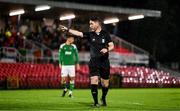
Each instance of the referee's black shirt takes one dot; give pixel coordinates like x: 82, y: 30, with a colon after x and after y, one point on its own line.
x: 97, y: 42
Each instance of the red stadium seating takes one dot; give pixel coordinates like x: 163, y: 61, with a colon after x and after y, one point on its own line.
x: 121, y: 49
x: 48, y: 76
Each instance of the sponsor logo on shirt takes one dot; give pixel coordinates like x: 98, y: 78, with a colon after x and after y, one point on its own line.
x: 68, y: 53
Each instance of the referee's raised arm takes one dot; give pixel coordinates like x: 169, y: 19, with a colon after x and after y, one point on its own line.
x: 72, y: 31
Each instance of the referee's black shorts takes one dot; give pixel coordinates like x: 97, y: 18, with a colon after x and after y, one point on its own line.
x: 99, y: 67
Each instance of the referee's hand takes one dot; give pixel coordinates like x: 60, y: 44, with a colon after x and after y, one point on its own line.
x: 104, y: 50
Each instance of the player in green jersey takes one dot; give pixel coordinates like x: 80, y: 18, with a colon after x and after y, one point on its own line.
x: 68, y: 59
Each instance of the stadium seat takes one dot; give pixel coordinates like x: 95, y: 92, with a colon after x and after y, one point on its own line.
x: 48, y: 76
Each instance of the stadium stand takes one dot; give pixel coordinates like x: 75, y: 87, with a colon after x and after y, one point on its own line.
x: 29, y: 58
x: 121, y: 50
x: 47, y: 76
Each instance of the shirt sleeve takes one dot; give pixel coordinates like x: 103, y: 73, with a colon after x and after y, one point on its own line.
x: 108, y: 38
x: 86, y: 34
x: 76, y: 56
x: 60, y: 55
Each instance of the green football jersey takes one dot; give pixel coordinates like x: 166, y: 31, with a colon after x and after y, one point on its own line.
x: 68, y: 54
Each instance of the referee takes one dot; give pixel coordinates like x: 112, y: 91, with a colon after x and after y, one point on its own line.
x: 99, y: 66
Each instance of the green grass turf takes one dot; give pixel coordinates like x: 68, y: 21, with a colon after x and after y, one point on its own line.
x: 117, y: 99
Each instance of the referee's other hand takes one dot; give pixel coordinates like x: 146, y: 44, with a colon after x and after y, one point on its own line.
x: 104, y: 50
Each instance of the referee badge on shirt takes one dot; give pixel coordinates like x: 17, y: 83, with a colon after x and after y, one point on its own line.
x: 103, y: 40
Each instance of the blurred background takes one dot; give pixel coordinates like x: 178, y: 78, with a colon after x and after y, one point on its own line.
x: 145, y: 34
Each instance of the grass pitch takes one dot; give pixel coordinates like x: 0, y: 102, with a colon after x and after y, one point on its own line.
x: 117, y: 99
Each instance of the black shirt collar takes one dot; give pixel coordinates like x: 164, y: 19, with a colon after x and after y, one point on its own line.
x: 98, y: 33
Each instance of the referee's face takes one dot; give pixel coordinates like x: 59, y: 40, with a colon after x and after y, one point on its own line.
x: 93, y: 25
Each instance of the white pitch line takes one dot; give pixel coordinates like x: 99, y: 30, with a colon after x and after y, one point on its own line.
x: 137, y: 103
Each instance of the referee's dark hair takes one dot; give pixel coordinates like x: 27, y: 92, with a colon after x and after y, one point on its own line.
x: 96, y: 19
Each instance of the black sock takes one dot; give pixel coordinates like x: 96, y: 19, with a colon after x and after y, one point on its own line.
x: 94, y: 92
x: 104, y: 92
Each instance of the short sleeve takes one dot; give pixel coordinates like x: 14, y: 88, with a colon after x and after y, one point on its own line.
x: 108, y: 38
x: 86, y: 34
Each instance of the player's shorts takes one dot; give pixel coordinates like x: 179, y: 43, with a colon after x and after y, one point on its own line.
x: 68, y: 70
x: 99, y: 67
